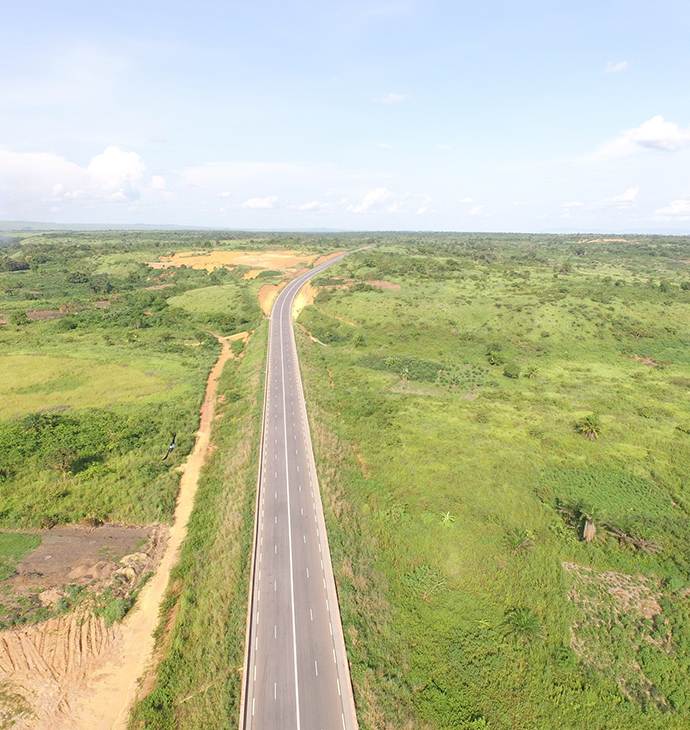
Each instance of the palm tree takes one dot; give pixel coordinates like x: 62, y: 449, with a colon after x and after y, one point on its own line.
x: 523, y: 626
x: 589, y: 426
x: 531, y: 372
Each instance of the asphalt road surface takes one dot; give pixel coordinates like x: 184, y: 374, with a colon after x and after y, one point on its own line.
x: 296, y: 671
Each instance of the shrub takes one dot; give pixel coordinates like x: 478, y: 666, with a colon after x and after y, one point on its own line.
x: 589, y: 426
x: 19, y: 318
x: 511, y: 370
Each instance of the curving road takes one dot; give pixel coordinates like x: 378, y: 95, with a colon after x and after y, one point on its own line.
x: 296, y: 672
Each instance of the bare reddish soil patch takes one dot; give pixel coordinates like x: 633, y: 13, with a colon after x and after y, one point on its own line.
x: 382, y: 284
x: 43, y: 314
x: 646, y: 361
x: 604, y: 240
x: 267, y: 295
x: 156, y: 287
x: 78, y: 554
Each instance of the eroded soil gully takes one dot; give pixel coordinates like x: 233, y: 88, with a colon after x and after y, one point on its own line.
x: 73, y: 672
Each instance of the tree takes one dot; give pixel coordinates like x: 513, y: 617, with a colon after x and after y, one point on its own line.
x: 62, y: 458
x: 523, y: 626
x: 589, y: 426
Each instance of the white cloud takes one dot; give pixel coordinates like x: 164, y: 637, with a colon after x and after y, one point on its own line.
x: 385, y: 146
x: 675, y: 210
x: 615, y: 68
x: 573, y: 204
x: 158, y: 182
x: 117, y: 172
x: 622, y: 201
x: 466, y: 200
x: 35, y: 182
x: 425, y: 206
x: 394, y: 98
x: 372, y: 200
x: 225, y: 194
x: 654, y: 134
x: 476, y: 210
x: 261, y: 203
x: 444, y: 147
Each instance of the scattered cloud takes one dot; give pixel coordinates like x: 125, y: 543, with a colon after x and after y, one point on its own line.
x: 312, y: 205
x: 466, y: 200
x: 394, y: 98
x: 675, y: 210
x: 476, y: 210
x: 654, y: 134
x: 444, y: 147
x: 261, y: 203
x: 623, y: 201
x: 225, y: 194
x: 615, y: 68
x: 158, y: 182
x: 574, y: 204
x: 373, y: 200
x: 385, y: 146
x: 425, y: 206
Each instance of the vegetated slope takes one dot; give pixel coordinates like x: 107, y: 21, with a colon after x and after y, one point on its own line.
x: 514, y: 397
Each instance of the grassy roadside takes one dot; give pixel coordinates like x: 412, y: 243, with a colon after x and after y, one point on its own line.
x: 200, y: 639
x: 376, y: 651
x: 445, y: 411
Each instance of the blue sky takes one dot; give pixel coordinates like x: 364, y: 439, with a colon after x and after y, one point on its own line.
x: 529, y: 115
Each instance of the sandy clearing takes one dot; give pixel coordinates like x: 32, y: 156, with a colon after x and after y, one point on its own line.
x: 261, y: 260
x: 252, y: 274
x: 305, y: 297
x: 267, y: 295
x: 604, y: 240
x: 103, y: 667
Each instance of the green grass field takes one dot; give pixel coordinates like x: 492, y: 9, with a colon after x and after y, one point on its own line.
x: 456, y: 490
x: 14, y: 547
x: 35, y: 382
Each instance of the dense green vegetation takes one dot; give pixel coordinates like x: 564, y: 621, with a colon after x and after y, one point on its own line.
x: 103, y: 359
x: 503, y: 443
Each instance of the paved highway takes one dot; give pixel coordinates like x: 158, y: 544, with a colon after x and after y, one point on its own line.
x: 296, y: 671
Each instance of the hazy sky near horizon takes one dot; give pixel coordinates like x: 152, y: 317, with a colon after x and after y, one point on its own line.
x: 522, y: 115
